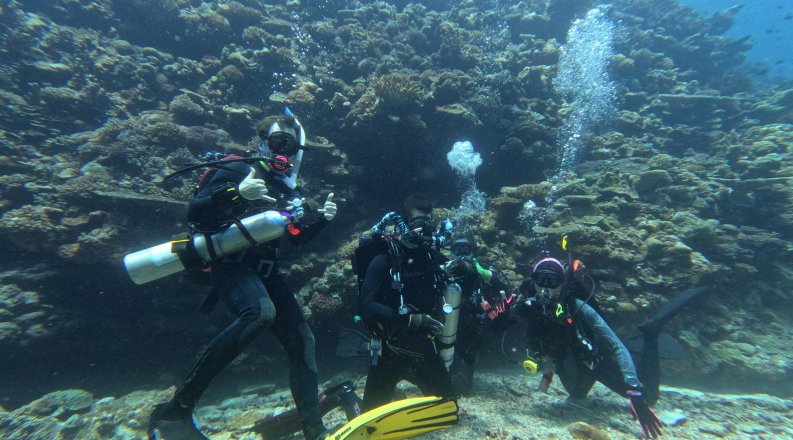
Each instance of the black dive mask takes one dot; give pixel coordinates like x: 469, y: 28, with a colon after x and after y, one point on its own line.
x: 462, y: 249
x: 282, y: 143
x: 421, y: 230
x: 547, y: 279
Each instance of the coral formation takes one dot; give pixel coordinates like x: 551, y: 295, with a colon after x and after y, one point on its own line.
x: 690, y: 185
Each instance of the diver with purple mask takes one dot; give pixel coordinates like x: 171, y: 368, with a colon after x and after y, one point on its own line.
x: 569, y: 338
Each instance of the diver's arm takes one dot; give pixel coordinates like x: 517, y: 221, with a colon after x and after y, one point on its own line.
x: 220, y: 195
x: 608, y: 342
x: 522, y: 311
x: 498, y: 281
x: 304, y: 233
x: 376, y: 281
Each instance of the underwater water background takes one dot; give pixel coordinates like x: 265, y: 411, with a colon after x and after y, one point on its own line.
x: 634, y: 127
x: 770, y: 26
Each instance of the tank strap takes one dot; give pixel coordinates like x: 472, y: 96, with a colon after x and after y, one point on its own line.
x: 244, y: 231
x: 182, y: 246
x: 213, y: 255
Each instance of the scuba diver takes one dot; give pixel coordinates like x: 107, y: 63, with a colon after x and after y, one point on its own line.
x: 575, y: 342
x: 249, y: 282
x: 487, y: 298
x: 401, y: 302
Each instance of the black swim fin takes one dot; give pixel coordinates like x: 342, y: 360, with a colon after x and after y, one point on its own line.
x: 653, y: 326
x: 171, y: 421
x: 668, y: 347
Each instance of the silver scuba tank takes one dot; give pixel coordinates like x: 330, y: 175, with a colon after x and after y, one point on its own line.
x: 160, y: 261
x: 452, y: 296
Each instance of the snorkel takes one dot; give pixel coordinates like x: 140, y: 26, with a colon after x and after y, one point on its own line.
x: 291, y: 179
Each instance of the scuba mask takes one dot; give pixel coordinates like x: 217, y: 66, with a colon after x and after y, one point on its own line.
x: 548, y: 273
x: 283, y: 143
x: 548, y: 277
x: 421, y: 230
x: 422, y: 225
x: 462, y: 248
x: 280, y: 141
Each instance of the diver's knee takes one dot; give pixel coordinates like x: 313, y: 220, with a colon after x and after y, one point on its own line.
x: 258, y: 317
x: 308, y: 346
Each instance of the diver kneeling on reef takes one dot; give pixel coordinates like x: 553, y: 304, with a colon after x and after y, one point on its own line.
x: 577, y: 344
x: 486, y: 301
x: 249, y: 282
x: 402, y: 303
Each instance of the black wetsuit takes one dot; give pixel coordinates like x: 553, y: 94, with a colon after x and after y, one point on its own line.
x: 475, y: 323
x: 252, y: 288
x: 583, y: 348
x: 406, y: 352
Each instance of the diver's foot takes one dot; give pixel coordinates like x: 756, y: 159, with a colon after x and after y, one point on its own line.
x: 172, y: 421
x: 318, y: 433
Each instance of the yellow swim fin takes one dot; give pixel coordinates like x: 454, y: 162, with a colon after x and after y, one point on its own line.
x: 402, y: 419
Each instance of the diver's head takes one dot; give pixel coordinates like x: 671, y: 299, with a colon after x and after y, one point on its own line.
x: 417, y: 211
x: 463, y: 248
x: 548, y: 277
x: 279, y: 136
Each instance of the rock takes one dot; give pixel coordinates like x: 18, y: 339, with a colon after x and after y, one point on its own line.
x: 716, y: 429
x: 752, y: 429
x: 652, y: 180
x: 59, y: 404
x: 585, y: 431
x: 619, y: 425
x: 673, y: 418
x: 626, y: 307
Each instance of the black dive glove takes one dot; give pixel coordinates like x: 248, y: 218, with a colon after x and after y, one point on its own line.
x: 651, y: 425
x: 425, y: 322
x: 459, y: 269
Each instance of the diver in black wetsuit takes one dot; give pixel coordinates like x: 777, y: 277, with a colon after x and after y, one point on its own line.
x: 487, y: 298
x: 581, y: 346
x: 249, y: 282
x: 400, y: 301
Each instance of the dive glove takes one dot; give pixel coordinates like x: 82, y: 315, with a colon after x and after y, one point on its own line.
x: 329, y: 209
x: 651, y: 425
x: 252, y: 188
x: 426, y: 322
x: 460, y: 268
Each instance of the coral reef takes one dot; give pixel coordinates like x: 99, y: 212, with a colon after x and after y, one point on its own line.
x: 690, y: 184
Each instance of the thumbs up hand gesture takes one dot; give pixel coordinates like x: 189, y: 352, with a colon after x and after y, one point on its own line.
x: 329, y: 209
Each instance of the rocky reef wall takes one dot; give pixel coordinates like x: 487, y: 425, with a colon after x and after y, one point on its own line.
x: 690, y: 184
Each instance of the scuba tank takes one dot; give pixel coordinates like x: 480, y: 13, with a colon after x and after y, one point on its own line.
x: 198, y: 249
x: 452, y: 296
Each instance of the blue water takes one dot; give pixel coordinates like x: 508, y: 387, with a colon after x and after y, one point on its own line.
x: 769, y: 23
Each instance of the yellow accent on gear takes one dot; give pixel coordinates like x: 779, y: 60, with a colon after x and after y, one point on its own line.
x: 530, y: 366
x: 402, y: 419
